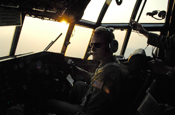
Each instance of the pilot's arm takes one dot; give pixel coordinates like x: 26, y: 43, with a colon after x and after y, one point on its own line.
x: 84, y: 72
x: 160, y: 41
x: 157, y: 66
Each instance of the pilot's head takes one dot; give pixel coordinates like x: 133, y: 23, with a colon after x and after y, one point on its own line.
x: 103, y: 43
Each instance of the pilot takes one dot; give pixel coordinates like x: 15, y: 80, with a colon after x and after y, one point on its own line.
x: 157, y: 66
x: 101, y: 95
x: 166, y: 43
x: 163, y: 42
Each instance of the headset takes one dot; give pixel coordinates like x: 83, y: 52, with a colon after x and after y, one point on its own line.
x: 113, y: 44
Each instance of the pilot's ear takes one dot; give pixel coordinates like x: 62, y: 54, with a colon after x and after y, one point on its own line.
x: 113, y: 46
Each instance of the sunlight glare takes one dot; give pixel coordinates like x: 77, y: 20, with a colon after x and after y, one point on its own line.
x: 108, y: 2
x: 64, y: 24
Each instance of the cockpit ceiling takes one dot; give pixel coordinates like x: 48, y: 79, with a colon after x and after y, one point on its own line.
x: 49, y: 9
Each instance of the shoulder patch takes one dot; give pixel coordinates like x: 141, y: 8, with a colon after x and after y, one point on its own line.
x: 97, y: 84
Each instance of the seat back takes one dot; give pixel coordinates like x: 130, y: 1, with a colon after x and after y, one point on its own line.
x: 135, y: 86
x: 149, y: 106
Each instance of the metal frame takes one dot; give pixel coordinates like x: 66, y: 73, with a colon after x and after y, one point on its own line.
x: 16, y: 38
x: 128, y: 33
x: 149, y: 26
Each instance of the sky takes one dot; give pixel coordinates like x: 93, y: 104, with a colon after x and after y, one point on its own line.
x: 36, y: 34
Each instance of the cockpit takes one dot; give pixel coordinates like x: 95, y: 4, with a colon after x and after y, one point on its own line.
x: 42, y: 41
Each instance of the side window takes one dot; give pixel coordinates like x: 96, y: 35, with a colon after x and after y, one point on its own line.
x: 78, y: 42
x: 6, y: 37
x: 138, y: 41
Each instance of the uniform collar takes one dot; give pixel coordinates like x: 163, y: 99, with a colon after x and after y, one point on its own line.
x: 108, y: 60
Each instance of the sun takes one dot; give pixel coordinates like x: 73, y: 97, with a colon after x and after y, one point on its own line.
x: 64, y: 24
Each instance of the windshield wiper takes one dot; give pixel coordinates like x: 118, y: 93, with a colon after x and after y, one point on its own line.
x: 51, y: 43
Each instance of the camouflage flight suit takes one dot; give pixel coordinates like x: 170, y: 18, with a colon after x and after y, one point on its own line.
x: 166, y: 43
x: 104, y: 90
x: 160, y: 41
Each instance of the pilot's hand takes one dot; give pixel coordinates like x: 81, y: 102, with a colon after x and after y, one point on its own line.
x: 138, y: 27
x: 158, y: 66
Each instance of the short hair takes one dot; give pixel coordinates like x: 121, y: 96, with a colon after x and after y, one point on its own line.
x: 106, y: 33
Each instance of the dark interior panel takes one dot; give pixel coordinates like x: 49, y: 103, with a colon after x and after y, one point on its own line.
x: 31, y: 79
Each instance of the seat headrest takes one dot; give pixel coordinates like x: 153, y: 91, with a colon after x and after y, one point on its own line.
x: 137, y: 61
x: 139, y: 51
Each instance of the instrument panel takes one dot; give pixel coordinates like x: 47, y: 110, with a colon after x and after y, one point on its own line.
x: 31, y: 79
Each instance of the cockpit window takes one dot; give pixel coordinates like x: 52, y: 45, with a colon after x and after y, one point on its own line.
x: 6, y: 37
x: 79, y: 42
x: 119, y: 13
x: 36, y: 35
x: 93, y: 9
x: 122, y: 13
x: 153, y: 5
x: 138, y: 41
x: 119, y: 36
